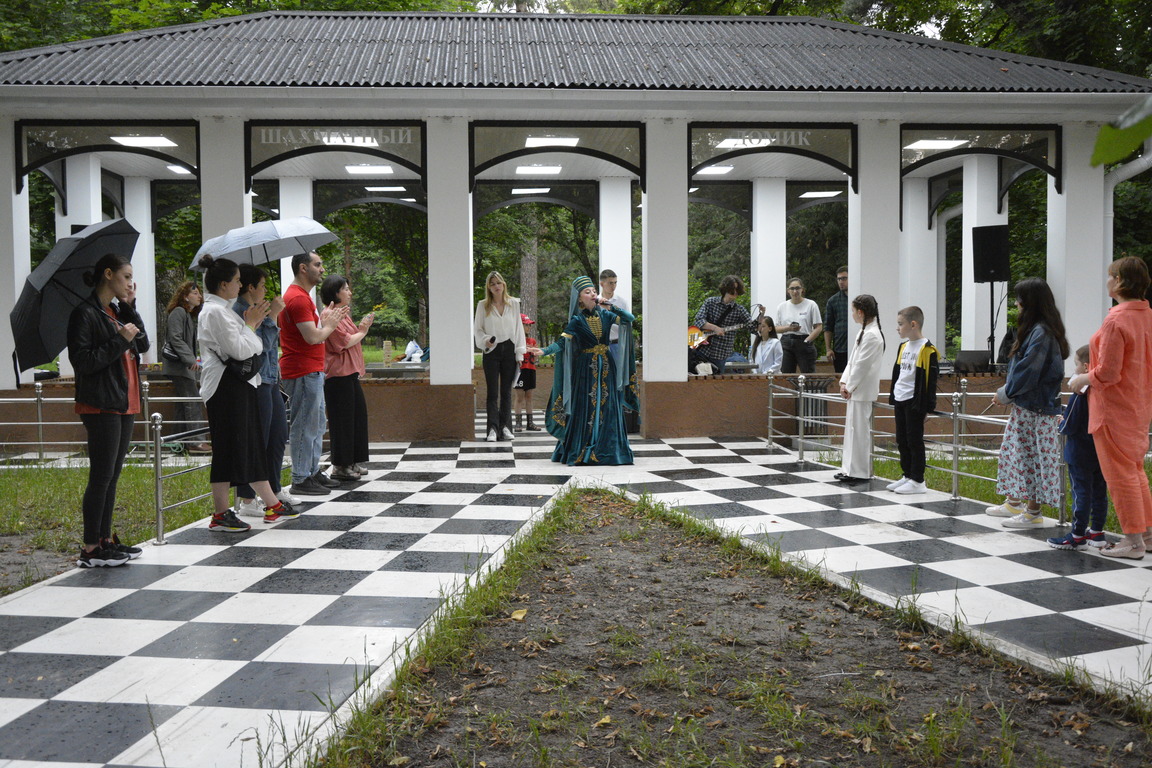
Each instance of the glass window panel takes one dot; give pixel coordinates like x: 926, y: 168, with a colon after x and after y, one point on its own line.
x: 920, y: 144
x: 833, y: 143
x: 619, y: 141
x: 42, y: 141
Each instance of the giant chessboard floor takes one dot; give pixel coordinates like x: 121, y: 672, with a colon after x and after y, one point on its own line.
x: 218, y: 646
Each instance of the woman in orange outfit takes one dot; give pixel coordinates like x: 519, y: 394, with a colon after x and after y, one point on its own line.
x: 1119, y: 381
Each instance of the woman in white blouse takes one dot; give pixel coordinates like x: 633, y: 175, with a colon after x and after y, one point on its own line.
x: 860, y: 386
x: 238, y: 450
x: 799, y: 324
x: 500, y: 336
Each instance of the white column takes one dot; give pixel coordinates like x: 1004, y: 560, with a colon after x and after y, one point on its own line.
x: 981, y: 191
x: 295, y: 200
x: 769, y: 242
x: 874, y: 223
x: 138, y: 212
x: 920, y: 274
x: 224, y: 202
x: 616, y: 232
x: 665, y: 257
x: 15, y: 247
x: 450, y: 304
x: 1077, y: 261
x: 941, y: 227
x: 82, y: 188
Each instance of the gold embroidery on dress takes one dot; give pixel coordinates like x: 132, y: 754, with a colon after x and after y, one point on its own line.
x: 594, y: 324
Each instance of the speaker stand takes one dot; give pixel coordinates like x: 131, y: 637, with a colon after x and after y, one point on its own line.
x: 991, y: 326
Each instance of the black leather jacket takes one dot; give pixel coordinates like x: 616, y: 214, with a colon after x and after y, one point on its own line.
x: 95, y: 349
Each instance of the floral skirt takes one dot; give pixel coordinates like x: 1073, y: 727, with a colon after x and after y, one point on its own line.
x: 1030, y: 458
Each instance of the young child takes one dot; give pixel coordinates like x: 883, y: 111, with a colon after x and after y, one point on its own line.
x: 526, y: 382
x: 1089, y: 490
x: 766, y: 353
x: 860, y: 386
x: 914, y: 395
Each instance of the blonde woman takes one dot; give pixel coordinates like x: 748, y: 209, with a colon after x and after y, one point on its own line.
x: 500, y: 336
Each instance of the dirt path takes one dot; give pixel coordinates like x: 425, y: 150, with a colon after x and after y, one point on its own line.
x: 22, y: 565
x: 641, y: 644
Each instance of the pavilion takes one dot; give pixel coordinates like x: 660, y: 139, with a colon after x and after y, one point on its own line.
x: 448, y: 113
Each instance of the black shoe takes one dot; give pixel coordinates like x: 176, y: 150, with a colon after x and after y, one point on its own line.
x: 114, y: 544
x: 101, y: 557
x: 227, y: 521
x: 843, y: 478
x: 309, y: 486
x: 325, y: 481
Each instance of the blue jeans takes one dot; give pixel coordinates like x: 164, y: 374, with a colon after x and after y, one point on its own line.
x: 1089, y: 490
x: 305, y: 424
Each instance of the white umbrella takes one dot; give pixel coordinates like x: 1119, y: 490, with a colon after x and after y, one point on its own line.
x: 267, y: 241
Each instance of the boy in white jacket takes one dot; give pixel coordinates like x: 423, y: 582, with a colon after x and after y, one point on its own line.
x: 860, y: 386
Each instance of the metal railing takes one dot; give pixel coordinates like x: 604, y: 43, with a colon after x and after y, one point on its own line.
x: 156, y: 423
x: 960, y: 441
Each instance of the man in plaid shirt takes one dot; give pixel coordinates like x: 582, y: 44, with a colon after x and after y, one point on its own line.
x: 718, y: 313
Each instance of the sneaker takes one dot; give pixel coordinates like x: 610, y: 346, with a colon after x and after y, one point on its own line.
x: 309, y: 487
x: 508, y: 434
x: 288, y: 498
x: 1069, y: 541
x: 114, y: 543
x: 1096, y: 539
x: 1124, y: 548
x: 249, y: 507
x: 101, y: 557
x: 911, y: 487
x: 280, y: 512
x: 491, y: 436
x: 360, y: 469
x: 1004, y: 510
x: 326, y: 481
x: 343, y: 473
x: 897, y: 484
x: 227, y: 521
x: 1025, y: 520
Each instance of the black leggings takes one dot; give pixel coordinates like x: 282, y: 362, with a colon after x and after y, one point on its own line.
x: 499, y: 371
x: 109, y: 435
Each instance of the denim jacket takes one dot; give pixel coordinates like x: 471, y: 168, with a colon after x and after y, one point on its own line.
x: 1035, y: 373
x: 269, y: 334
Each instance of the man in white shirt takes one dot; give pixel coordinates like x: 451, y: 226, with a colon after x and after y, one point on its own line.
x: 608, y: 293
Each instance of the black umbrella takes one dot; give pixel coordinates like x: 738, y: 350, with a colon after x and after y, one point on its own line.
x: 56, y: 287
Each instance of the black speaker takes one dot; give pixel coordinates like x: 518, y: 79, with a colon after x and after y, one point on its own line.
x: 990, y: 254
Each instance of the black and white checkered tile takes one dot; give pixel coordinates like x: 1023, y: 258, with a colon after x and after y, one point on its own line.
x: 217, y: 646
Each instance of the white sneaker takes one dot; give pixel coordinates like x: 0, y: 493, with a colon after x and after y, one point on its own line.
x: 1004, y: 510
x: 897, y: 484
x: 508, y: 434
x: 288, y: 498
x: 1025, y: 520
x: 491, y: 436
x: 911, y: 487
x: 250, y: 508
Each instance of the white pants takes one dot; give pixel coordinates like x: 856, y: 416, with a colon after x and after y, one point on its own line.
x: 857, y: 460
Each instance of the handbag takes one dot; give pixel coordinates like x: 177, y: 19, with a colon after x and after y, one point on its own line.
x: 169, y: 354
x: 244, y: 369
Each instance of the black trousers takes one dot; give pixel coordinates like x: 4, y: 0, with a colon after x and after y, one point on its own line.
x: 499, y: 371
x: 347, y: 419
x: 109, y: 435
x: 274, y: 428
x: 910, y: 440
x: 797, y: 352
x: 841, y: 361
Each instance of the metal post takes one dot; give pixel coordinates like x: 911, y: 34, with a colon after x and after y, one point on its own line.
x: 964, y: 396
x: 158, y: 471
x: 144, y: 387
x: 956, y: 400
x: 800, y: 415
x: 771, y: 405
x: 1063, y: 518
x: 40, y: 420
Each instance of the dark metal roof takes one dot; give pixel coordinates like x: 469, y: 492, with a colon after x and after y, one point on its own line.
x: 547, y: 51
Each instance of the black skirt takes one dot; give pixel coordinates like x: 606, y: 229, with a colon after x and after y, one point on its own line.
x: 238, y: 451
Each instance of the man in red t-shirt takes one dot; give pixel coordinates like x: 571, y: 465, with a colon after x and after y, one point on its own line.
x: 302, y: 335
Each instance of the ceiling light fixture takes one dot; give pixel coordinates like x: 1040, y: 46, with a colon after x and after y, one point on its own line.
x: 143, y: 141
x: 539, y: 170
x: 384, y: 189
x: 824, y: 193
x: 179, y: 170
x: 551, y: 141
x: 365, y: 170
x: 531, y: 190
x: 937, y: 144
x: 715, y: 170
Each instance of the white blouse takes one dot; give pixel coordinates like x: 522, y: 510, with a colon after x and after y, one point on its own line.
x: 769, y: 356
x: 223, y: 333
x: 505, y: 327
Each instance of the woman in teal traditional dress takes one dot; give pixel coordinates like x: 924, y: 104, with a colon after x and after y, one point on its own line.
x: 585, y: 412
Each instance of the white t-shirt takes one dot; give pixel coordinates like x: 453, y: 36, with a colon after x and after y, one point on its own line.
x: 905, y: 385
x: 617, y: 301
x: 807, y: 313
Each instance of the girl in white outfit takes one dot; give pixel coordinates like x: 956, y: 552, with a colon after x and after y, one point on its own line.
x: 860, y: 385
